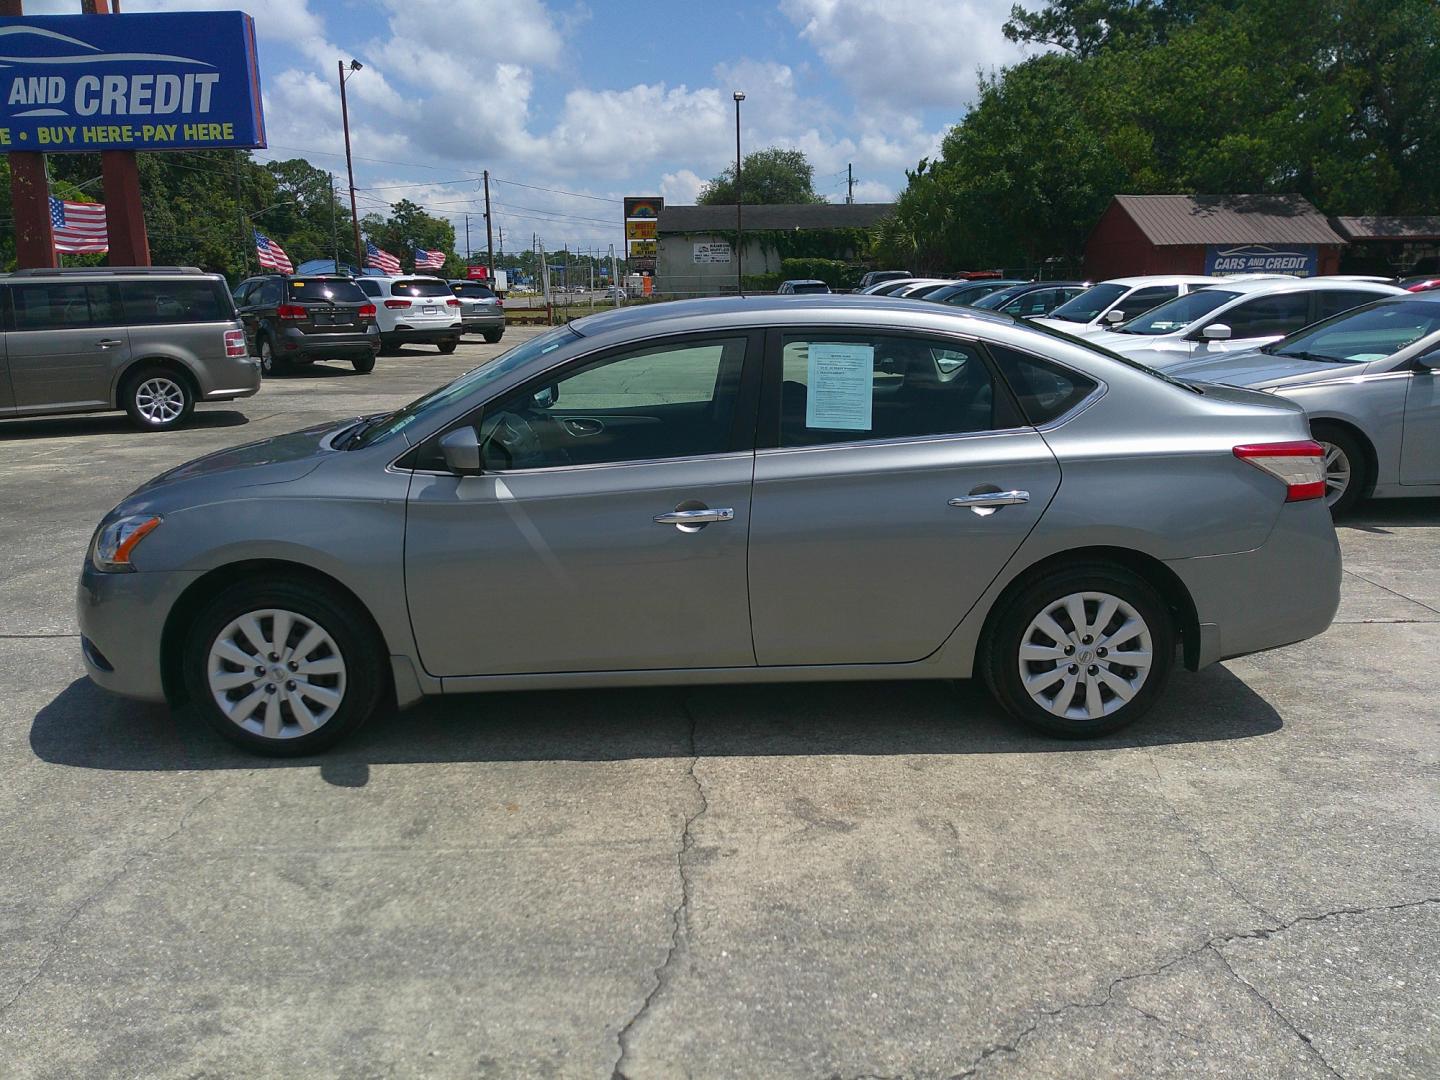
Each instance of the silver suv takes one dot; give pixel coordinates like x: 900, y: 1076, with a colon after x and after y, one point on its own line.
x: 150, y: 340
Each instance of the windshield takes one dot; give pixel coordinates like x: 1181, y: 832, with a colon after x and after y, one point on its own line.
x: 473, y: 292
x: 997, y: 298
x: 1363, y: 334
x: 1179, y: 313
x: 420, y: 288
x: 1089, y: 304
x: 466, y: 384
x: 341, y: 290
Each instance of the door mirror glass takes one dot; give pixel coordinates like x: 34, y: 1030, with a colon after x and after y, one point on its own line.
x: 461, y: 450
x: 1216, y: 331
x: 546, y: 396
x: 1430, y: 359
x: 1114, y: 315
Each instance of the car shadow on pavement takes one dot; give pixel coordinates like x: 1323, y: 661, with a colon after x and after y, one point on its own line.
x: 1388, y: 514
x: 69, y: 427
x: 85, y: 727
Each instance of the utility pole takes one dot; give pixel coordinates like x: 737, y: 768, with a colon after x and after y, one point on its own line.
x: 467, y: 242
x: 247, y: 236
x: 355, y: 65
x: 489, y: 236
x: 615, y: 277
x: 739, y: 96
x: 334, y: 228
x: 850, y: 183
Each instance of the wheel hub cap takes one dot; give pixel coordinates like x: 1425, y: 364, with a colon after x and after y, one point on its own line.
x: 159, y: 400
x: 1085, y: 656
x: 276, y: 673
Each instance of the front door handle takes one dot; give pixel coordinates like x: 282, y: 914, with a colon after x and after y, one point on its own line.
x: 682, y: 518
x: 985, y: 503
x: 108, y: 343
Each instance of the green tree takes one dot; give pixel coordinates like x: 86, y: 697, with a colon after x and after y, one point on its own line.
x: 773, y: 175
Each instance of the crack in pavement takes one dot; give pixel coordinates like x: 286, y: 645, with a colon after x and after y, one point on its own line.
x: 1212, y: 944
x: 680, y: 915
x: 1393, y: 592
x: 80, y: 908
x: 1275, y: 1012
x: 31, y: 637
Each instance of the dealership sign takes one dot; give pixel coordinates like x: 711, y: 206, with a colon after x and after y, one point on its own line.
x: 1301, y: 260
x: 180, y: 81
x: 714, y: 252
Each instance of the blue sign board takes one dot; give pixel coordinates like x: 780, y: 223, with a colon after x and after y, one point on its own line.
x: 1301, y: 260
x: 181, y: 81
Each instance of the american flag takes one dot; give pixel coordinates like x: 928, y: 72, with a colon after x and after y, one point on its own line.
x: 381, y: 260
x: 429, y: 260
x: 78, y: 226
x: 272, y: 255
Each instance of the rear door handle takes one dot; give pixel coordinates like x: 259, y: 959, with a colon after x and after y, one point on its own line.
x: 695, y: 517
x: 986, y: 503
x: 109, y: 343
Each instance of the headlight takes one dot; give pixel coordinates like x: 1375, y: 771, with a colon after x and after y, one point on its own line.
x: 110, y: 552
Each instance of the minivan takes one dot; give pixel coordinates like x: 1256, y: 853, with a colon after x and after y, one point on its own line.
x: 151, y: 340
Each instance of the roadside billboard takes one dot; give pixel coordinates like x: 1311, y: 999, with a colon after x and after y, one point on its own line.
x: 176, y: 81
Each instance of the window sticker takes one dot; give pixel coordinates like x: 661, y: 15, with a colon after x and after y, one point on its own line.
x: 841, y: 378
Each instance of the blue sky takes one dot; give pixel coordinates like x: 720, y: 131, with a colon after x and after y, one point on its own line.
x: 600, y: 100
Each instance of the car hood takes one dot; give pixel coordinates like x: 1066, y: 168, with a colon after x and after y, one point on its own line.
x: 276, y: 460
x: 1253, y: 368
x: 1129, y: 344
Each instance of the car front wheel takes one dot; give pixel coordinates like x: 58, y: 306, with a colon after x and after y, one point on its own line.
x: 283, y: 668
x: 1080, y: 652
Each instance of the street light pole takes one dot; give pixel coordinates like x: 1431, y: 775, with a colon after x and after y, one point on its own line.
x: 355, y: 65
x: 739, y: 223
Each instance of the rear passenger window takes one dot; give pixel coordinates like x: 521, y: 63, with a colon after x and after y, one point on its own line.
x: 55, y: 306
x: 857, y: 388
x: 1045, y: 390
x: 369, y: 288
x: 1268, y: 316
x: 149, y: 302
x: 1334, y: 301
x: 1142, y: 300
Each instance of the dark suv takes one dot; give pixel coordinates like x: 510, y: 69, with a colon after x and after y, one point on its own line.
x: 480, y: 309
x: 294, y: 319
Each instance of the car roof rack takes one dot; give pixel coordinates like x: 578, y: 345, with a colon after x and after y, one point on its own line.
x: 66, y: 271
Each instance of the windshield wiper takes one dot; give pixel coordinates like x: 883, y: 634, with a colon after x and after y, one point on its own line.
x: 1320, y: 358
x: 360, y: 429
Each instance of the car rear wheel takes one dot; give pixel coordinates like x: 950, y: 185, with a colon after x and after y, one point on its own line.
x: 1345, y: 466
x: 158, y: 399
x: 448, y: 345
x: 1080, y: 652
x: 284, y: 667
x: 271, y: 364
x: 493, y: 336
x: 364, y: 364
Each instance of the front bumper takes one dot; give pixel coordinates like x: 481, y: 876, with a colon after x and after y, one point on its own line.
x: 1285, y: 590
x: 122, y: 619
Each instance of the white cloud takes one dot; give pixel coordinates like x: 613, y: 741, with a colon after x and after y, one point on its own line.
x: 681, y: 187
x: 907, y: 53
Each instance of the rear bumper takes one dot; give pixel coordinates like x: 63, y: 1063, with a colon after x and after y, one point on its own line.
x: 1284, y: 591
x: 297, y: 344
x: 122, y: 618
x: 228, y: 378
x: 422, y: 335
x: 484, y: 324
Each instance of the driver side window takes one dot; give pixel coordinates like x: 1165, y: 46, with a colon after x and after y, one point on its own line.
x: 666, y: 401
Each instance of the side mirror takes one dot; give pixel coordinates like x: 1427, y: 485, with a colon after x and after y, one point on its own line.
x: 461, y: 450
x: 1216, y: 331
x: 1430, y: 359
x: 1114, y: 315
x: 546, y: 396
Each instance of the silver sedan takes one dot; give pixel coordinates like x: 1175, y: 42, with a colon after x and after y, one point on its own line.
x: 798, y: 488
x: 1368, y: 380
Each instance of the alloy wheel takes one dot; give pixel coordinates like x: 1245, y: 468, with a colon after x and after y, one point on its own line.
x: 160, y: 400
x: 1085, y: 656
x: 1338, y: 472
x: 276, y: 673
x: 267, y: 358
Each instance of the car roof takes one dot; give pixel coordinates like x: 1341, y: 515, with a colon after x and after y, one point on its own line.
x: 802, y: 281
x: 1251, y: 286
x: 1162, y: 279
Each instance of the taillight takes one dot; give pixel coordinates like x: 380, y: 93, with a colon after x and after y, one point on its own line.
x: 235, y: 343
x: 367, y: 311
x: 290, y: 311
x: 397, y: 303
x: 1300, y: 466
x: 452, y: 303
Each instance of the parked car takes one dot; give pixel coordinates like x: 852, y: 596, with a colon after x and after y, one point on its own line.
x: 887, y: 288
x: 820, y: 488
x: 292, y: 320
x: 1235, y: 317
x: 965, y: 293
x: 1116, y: 301
x: 919, y: 287
x: 1368, y: 380
x: 480, y: 309
x: 414, y: 309
x: 802, y: 285
x: 1423, y: 283
x: 1031, y: 298
x: 877, y: 277
x: 151, y: 340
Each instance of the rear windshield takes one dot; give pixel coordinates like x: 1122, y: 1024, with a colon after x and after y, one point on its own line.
x: 810, y: 287
x: 472, y: 292
x: 1085, y: 307
x: 420, y: 287
x: 340, y: 290
x: 1178, y: 313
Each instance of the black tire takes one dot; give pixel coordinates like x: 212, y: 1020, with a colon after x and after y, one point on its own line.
x: 364, y: 365
x: 271, y: 362
x: 1000, y: 661
x: 493, y: 336
x: 157, y: 398
x: 448, y: 345
x: 1353, y: 451
x: 349, y: 627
